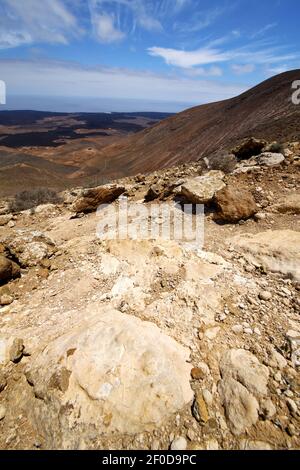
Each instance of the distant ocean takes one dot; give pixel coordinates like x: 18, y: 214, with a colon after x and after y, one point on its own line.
x: 101, y: 105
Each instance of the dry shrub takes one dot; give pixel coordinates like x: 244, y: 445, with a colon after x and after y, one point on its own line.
x: 30, y: 199
x: 223, y: 161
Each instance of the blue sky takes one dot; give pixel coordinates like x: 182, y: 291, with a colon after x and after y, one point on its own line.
x: 130, y: 55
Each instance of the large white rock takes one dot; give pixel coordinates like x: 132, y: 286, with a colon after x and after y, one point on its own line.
x: 275, y: 250
x: 113, y: 372
x: 201, y: 190
x: 30, y: 247
x: 269, y: 159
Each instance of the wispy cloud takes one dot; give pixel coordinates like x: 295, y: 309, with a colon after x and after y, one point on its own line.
x: 69, y: 79
x: 115, y: 19
x: 201, y: 20
x: 105, y: 29
x: 213, y: 71
x: 264, y: 30
x: 243, y: 69
x: 187, y: 59
x: 249, y: 54
x: 34, y: 21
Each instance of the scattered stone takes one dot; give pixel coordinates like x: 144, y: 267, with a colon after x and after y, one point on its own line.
x: 291, y: 405
x: 204, y: 368
x: 254, y: 445
x: 260, y: 216
x: 199, y: 409
x: 276, y: 359
x: 248, y: 331
x: 180, y: 443
x: 237, y: 329
x: 3, y: 381
x: 207, y: 396
x: 267, y: 409
x: 16, y: 350
x: 265, y: 295
x: 212, y: 444
x: 197, y: 373
x: 8, y: 269
x: 212, y: 333
x: 191, y: 435
x: 6, y: 299
x: 5, y: 219
x: 234, y: 204
x: 2, y: 412
x: 291, y: 430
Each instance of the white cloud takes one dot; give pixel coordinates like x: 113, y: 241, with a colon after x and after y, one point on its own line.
x: 201, y: 20
x: 263, y: 30
x: 187, y: 59
x: 124, y: 17
x: 243, y: 69
x: 213, y: 71
x: 47, y: 78
x: 105, y: 29
x: 253, y: 54
x: 36, y: 21
x: 276, y: 70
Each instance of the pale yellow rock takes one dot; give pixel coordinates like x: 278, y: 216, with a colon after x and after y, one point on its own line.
x: 116, y: 372
x: 288, y: 204
x: 274, y: 250
x: 241, y: 407
x: 244, y: 367
x: 201, y: 190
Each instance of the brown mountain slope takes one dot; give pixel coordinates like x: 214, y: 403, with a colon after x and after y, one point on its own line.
x: 265, y: 111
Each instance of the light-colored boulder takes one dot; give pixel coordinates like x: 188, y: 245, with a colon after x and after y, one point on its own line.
x: 241, y: 407
x: 274, y: 250
x: 46, y: 209
x: 201, y: 190
x: 269, y: 159
x: 113, y: 372
x: 11, y: 349
x: 254, y: 445
x: 30, y: 248
x: 244, y: 367
x: 4, y: 219
x: 288, y: 204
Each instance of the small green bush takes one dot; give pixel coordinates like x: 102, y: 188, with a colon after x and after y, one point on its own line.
x: 275, y: 147
x: 30, y: 199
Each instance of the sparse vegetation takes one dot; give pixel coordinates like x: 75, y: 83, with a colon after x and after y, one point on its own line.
x: 30, y: 199
x: 223, y: 161
x: 275, y: 147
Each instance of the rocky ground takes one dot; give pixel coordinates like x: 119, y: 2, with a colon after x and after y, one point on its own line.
x: 155, y: 343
